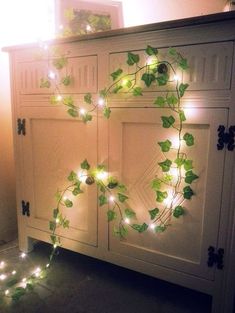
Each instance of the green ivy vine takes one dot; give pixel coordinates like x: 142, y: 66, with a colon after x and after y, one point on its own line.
x: 174, y: 185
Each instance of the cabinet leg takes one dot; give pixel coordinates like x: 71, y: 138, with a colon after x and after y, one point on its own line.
x: 26, y: 244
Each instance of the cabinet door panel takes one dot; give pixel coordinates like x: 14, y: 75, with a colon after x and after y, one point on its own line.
x: 133, y: 157
x: 53, y: 146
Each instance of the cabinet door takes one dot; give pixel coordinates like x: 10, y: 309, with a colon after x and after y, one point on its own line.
x: 53, y: 146
x: 133, y: 157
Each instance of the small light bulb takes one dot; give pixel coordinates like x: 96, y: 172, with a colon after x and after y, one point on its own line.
x: 175, y: 141
x: 6, y: 292
x: 23, y: 255
x: 102, y: 175
x: 24, y: 279
x: 13, y: 272
x: 111, y: 198
x: 174, y: 173
x: 176, y: 78
x: 127, y: 220
x: 37, y: 274
x: 101, y: 102
x: 65, y: 198
x: 59, y: 98
x: 47, y: 265
x: 55, y: 246
x: 2, y: 264
x: 45, y: 47
x: 57, y: 220
x: 82, y: 176
x: 124, y: 82
x: 169, y: 199
x: 152, y: 226
x: 51, y: 75
x: 82, y: 111
x: 3, y: 276
x: 88, y: 28
x: 151, y: 60
x: 61, y: 26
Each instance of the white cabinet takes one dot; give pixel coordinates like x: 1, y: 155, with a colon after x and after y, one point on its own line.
x: 53, y: 144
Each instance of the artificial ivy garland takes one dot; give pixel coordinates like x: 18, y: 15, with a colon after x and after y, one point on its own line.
x: 173, y: 185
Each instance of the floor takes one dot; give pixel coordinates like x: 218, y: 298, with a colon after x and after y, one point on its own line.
x: 80, y: 284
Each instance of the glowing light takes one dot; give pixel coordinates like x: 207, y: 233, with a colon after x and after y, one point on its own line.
x: 51, y: 75
x: 24, y: 279
x: 6, y: 292
x: 169, y: 199
x: 124, y: 82
x: 45, y: 47
x: 47, y: 265
x: 174, y: 173
x: 23, y: 255
x: 82, y: 111
x: 59, y: 98
x: 176, y: 78
x: 13, y: 272
x: 151, y: 60
x: 82, y: 176
x: 65, y: 198
x: 88, y: 28
x: 3, y: 276
x: 111, y: 198
x: 61, y: 26
x: 127, y: 220
x: 101, y: 102
x: 190, y: 112
x: 55, y: 246
x: 152, y: 226
x: 2, y: 264
x: 102, y: 175
x: 57, y: 220
x: 175, y: 142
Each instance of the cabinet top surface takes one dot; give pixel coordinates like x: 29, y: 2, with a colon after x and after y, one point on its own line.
x: 181, y: 23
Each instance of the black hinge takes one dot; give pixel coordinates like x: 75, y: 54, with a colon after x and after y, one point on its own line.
x: 215, y: 257
x: 25, y: 208
x: 21, y: 126
x: 226, y: 138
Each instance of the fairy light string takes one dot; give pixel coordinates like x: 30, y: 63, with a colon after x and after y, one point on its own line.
x: 173, y: 177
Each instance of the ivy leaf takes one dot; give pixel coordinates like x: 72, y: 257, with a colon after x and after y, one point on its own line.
x: 67, y: 80
x: 132, y: 58
x: 117, y: 88
x: 88, y: 98
x: 65, y: 224
x: 60, y: 63
x: 45, y: 83
x: 121, y: 197
x: 85, y: 165
x: 182, y: 116
x: 102, y: 200
x: 188, y: 165
x: 178, y: 211
x: 76, y: 191
x: 68, y: 203
x: 111, y: 215
x: 190, y: 176
x: 55, y: 213
x: 106, y: 112
x: 18, y: 293
x: 137, y: 91
x: 103, y: 93
x: 140, y: 227
x: 172, y: 52
x: 73, y: 112
x: 165, y: 165
x: 161, y: 195
x: 179, y: 161
x: 148, y: 78
x: 130, y: 213
x: 116, y: 74
x: 160, y: 228
x: 188, y: 192
x: 128, y: 84
x: 165, y: 145
x: 72, y: 176
x: 151, y: 51
x: 189, y: 139
x: 172, y: 100
x: 160, y: 102
x: 86, y: 117
x: 167, y: 121
x: 68, y: 101
x: 156, y: 184
x: 153, y: 213
x: 162, y: 79
x: 121, y: 231
x: 182, y: 88
x: 183, y: 63
x: 122, y: 188
x: 52, y: 225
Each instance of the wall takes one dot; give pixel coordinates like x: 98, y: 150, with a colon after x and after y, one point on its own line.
x: 19, y: 26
